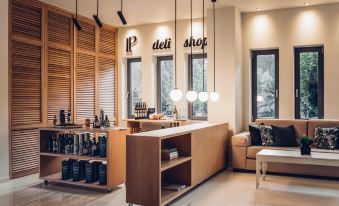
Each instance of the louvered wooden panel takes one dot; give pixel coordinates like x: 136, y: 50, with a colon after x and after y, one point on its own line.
x: 107, y: 41
x: 85, y: 86
x: 107, y: 87
x: 26, y: 20
x: 59, y: 81
x: 86, y: 37
x: 25, y: 151
x: 26, y: 83
x: 59, y: 28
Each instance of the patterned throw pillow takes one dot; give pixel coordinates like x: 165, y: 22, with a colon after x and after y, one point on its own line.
x: 266, y: 135
x: 326, y: 138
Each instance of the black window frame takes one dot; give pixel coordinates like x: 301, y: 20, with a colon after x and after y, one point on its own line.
x: 297, y: 52
x: 159, y: 60
x: 129, y: 62
x: 254, y: 55
x: 190, y: 73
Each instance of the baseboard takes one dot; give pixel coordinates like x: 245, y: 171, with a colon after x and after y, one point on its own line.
x: 4, y: 179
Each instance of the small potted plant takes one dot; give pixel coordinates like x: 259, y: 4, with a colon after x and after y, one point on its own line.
x: 305, y: 145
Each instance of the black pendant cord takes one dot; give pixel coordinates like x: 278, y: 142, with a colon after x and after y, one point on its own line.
x: 76, y: 9
x: 203, y: 47
x: 175, y: 44
x: 191, y: 39
x: 97, y: 8
x: 214, y: 40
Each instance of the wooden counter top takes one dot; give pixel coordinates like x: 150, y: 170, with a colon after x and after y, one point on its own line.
x: 175, y: 131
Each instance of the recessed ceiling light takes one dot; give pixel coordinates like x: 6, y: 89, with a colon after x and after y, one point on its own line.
x: 307, y: 3
x: 259, y: 9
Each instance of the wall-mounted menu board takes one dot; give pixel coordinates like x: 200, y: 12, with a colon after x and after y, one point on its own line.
x: 53, y: 66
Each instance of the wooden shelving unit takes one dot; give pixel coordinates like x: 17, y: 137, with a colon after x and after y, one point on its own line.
x: 50, y: 163
x: 202, y: 149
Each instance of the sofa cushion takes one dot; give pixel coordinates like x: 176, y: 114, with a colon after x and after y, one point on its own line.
x: 241, y: 140
x: 266, y: 135
x: 255, y: 134
x: 284, y: 136
x: 313, y: 124
x: 326, y: 138
x: 300, y: 126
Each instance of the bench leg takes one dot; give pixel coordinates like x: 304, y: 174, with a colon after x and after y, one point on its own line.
x: 264, y: 169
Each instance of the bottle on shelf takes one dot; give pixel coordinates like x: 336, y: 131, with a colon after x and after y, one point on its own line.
x: 102, y: 115
x: 55, y: 120
x: 62, y: 117
x: 69, y: 117
x: 96, y: 122
x: 175, y: 112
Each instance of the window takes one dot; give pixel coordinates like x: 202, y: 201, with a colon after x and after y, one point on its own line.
x: 309, y: 83
x: 197, y: 81
x: 133, y: 84
x: 265, y: 84
x: 165, y: 84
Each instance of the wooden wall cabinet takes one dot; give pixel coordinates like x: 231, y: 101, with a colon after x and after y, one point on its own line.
x: 202, y: 152
x: 53, y: 66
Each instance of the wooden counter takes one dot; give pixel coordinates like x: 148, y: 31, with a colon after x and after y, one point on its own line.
x: 202, y: 152
x: 138, y: 125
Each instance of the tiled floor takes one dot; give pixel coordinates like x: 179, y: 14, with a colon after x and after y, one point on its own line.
x: 226, y: 188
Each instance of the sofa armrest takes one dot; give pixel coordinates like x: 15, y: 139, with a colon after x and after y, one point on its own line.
x: 242, y: 140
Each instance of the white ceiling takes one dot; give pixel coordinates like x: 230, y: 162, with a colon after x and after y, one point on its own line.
x: 150, y: 11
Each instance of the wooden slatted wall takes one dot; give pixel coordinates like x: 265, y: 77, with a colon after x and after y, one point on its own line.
x: 49, y: 60
x: 26, y: 63
x: 59, y: 58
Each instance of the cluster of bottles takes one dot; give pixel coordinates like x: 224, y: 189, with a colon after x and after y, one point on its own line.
x: 140, y: 110
x: 77, y: 144
x: 62, y: 118
x: 90, y: 171
x: 174, y: 124
x: 103, y: 122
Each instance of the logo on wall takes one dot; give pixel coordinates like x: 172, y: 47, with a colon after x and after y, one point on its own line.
x: 196, y: 42
x: 130, y: 42
x: 162, y: 44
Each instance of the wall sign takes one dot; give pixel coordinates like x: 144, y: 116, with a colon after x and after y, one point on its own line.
x: 130, y: 42
x: 162, y: 44
x: 196, y: 42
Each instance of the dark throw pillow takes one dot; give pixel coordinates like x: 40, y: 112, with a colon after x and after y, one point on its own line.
x: 255, y: 134
x: 284, y: 136
x: 326, y: 138
x: 266, y: 135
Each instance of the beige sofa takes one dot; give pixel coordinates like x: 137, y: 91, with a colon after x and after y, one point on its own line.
x: 244, y: 153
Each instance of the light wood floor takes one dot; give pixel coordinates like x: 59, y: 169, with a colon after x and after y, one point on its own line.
x: 226, y: 189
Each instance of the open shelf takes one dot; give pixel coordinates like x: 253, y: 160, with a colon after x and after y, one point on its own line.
x: 167, y: 164
x: 57, y: 179
x: 97, y: 158
x: 168, y: 195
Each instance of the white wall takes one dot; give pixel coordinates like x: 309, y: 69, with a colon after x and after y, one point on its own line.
x: 4, y: 153
x: 147, y: 35
x: 284, y: 29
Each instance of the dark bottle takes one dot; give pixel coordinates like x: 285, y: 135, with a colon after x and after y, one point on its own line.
x: 103, y: 145
x: 55, y: 120
x: 89, y: 173
x: 55, y: 145
x: 96, y: 122
x: 103, y: 174
x: 50, y: 144
x: 106, y: 122
x: 62, y: 117
x: 69, y: 117
x: 102, y: 116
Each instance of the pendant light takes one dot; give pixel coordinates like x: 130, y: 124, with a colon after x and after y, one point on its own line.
x: 121, y: 15
x: 75, y: 20
x: 214, y: 96
x: 96, y: 17
x: 175, y: 94
x: 203, y: 95
x: 191, y: 95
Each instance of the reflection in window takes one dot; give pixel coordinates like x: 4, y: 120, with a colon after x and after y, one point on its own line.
x: 133, y: 84
x: 265, y: 84
x: 309, y: 82
x: 198, y: 82
x: 165, y: 84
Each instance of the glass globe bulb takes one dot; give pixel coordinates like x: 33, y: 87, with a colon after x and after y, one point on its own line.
x: 214, y: 96
x: 176, y: 95
x: 203, y: 96
x: 191, y: 96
